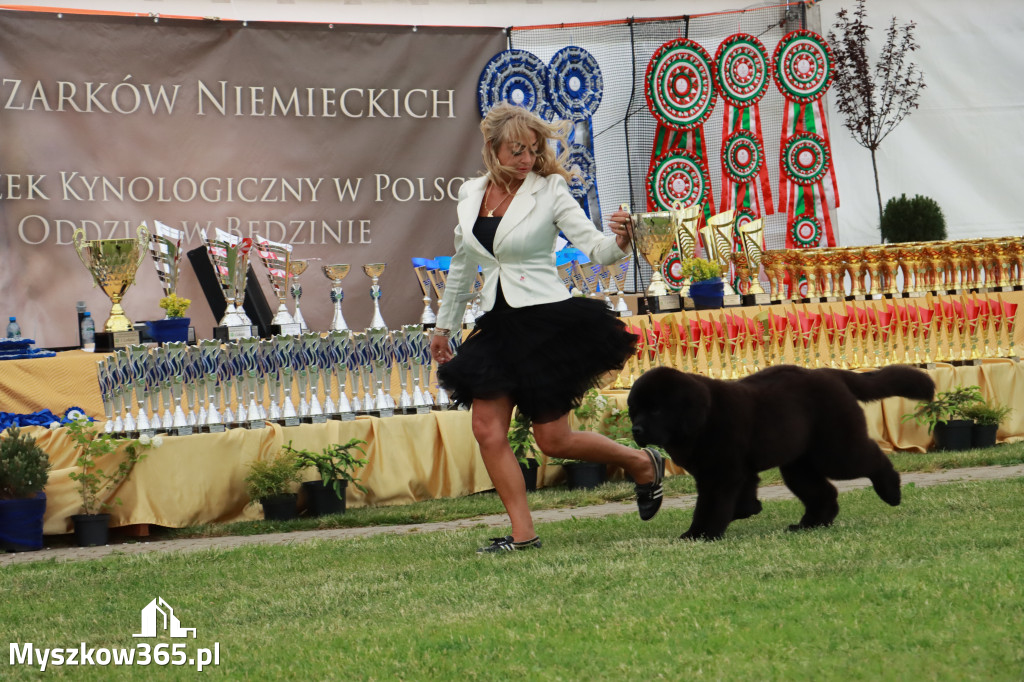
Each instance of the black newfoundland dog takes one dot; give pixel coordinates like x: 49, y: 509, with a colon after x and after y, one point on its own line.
x: 807, y: 422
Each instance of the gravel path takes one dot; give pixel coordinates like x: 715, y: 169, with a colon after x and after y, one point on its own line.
x: 772, y: 492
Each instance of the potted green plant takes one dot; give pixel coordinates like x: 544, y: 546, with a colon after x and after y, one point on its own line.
x: 944, y: 416
x: 987, y: 418
x: 524, y: 446
x: 24, y: 471
x: 174, y: 327
x: 271, y: 483
x: 336, y: 465
x: 706, y: 288
x: 92, y: 526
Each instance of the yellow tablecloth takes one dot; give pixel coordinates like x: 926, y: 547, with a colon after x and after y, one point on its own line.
x: 199, y: 478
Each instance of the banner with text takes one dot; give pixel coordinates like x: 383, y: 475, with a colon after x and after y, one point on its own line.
x: 348, y: 142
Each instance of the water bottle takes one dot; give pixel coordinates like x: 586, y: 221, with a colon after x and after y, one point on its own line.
x: 13, y: 330
x: 88, y: 333
x: 80, y: 308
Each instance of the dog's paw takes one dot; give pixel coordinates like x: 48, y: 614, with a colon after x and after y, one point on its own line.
x: 748, y: 509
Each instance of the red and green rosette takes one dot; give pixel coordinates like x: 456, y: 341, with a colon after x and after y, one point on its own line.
x: 805, y: 231
x: 802, y: 65
x: 803, y: 70
x: 806, y: 158
x: 742, y: 156
x: 677, y: 176
x: 742, y: 71
x: 681, y: 95
x: 672, y: 271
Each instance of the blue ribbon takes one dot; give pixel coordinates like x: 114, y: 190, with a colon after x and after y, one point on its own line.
x: 41, y: 418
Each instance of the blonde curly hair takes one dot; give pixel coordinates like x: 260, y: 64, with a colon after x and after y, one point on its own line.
x: 507, y: 122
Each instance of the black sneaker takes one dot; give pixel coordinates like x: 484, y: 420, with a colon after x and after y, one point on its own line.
x: 507, y: 544
x: 649, y: 495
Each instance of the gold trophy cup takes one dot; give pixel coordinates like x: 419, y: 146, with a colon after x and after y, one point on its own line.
x: 753, y: 246
x: 113, y: 264
x: 654, y: 234
x: 685, y: 221
x: 717, y: 236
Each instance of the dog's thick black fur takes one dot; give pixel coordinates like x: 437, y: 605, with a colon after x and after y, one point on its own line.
x: 807, y: 422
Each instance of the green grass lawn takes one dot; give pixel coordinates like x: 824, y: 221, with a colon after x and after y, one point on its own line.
x: 930, y: 590
x: 556, y: 498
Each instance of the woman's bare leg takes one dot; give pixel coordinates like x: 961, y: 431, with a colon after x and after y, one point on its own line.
x: 557, y: 439
x: 491, y: 419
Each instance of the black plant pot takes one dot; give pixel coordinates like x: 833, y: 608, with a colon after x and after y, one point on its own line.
x: 530, y: 473
x: 984, y: 435
x: 91, y: 530
x: 280, y: 507
x: 585, y: 474
x: 321, y: 500
x: 953, y: 435
x: 21, y: 523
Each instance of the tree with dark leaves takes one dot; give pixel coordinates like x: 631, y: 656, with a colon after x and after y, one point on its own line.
x: 873, y: 101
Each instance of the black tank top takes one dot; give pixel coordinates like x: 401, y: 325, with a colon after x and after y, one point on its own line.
x: 484, y: 230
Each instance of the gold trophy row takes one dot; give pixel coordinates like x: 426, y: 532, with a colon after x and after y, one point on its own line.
x: 864, y: 271
x: 656, y: 234
x: 725, y: 345
x: 839, y: 272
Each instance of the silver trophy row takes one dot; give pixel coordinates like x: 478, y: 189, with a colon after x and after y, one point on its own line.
x: 181, y: 389
x: 595, y: 280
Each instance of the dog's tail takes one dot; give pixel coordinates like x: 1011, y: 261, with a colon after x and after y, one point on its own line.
x: 897, y: 380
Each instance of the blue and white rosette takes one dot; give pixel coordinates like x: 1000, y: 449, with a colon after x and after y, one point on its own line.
x: 575, y: 87
x: 515, y: 76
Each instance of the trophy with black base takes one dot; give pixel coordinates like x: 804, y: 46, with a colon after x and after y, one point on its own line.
x: 653, y: 236
x: 113, y: 264
x: 717, y: 235
x: 229, y: 255
x: 753, y: 247
x: 276, y: 258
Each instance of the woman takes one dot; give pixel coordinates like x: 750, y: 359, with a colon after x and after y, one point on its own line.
x: 536, y: 347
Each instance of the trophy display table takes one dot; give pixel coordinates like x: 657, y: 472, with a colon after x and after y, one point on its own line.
x: 199, y: 478
x: 56, y: 383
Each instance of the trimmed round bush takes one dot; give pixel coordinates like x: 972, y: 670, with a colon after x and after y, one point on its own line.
x: 912, y: 220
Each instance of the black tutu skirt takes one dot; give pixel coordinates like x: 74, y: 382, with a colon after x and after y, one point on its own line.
x: 545, y: 357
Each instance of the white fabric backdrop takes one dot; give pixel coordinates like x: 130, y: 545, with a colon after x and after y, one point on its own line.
x: 959, y: 148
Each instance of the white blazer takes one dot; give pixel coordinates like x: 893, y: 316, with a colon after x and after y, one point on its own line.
x: 524, y: 247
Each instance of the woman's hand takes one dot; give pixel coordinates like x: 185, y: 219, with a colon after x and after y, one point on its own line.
x: 439, y: 349
x: 618, y: 223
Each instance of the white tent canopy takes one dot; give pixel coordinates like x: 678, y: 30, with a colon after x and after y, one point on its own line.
x: 958, y: 148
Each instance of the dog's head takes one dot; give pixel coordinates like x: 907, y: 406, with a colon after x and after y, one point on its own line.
x: 667, y: 408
